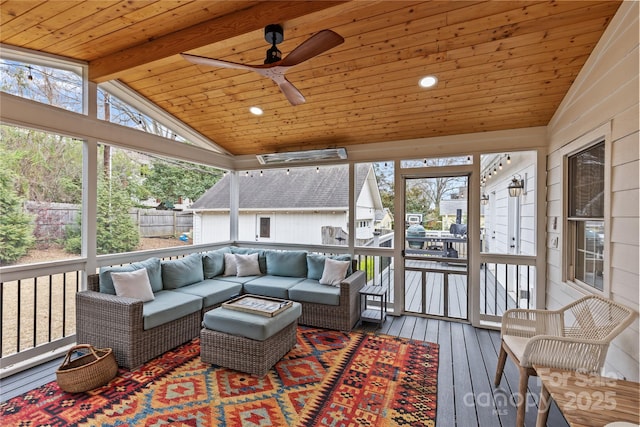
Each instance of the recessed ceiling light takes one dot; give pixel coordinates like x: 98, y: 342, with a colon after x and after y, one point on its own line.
x: 428, y: 81
x: 256, y: 111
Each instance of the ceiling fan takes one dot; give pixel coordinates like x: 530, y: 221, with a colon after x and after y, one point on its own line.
x: 274, y: 66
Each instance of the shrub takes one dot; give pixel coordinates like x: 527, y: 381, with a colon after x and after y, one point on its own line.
x: 16, y: 229
x: 116, y: 230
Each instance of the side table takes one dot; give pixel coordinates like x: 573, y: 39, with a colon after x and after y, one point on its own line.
x: 371, y: 314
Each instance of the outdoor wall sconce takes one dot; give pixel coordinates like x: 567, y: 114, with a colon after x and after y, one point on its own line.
x: 517, y: 186
x: 484, y: 199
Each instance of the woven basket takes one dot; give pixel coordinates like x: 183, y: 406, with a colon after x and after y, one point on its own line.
x: 87, y: 372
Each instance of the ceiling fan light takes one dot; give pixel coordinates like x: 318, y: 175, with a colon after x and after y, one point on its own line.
x: 428, y: 81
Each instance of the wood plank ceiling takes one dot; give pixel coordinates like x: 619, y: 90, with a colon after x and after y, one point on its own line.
x: 500, y: 64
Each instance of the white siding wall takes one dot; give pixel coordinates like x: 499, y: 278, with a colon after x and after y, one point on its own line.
x: 292, y: 227
x: 497, y: 211
x: 303, y: 228
x: 365, y: 211
x: 605, y: 93
x: 210, y: 227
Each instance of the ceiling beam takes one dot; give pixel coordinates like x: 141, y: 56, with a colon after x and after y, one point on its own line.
x: 214, y: 30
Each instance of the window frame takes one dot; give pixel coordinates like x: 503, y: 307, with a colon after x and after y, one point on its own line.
x: 589, y: 140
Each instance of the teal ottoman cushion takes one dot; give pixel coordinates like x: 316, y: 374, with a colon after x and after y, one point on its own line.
x: 249, y: 325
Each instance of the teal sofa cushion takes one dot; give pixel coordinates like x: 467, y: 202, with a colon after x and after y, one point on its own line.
x: 167, y: 307
x: 262, y: 261
x: 315, y: 264
x: 153, y: 271
x: 213, y: 262
x: 311, y: 291
x: 237, y: 279
x: 212, y: 291
x: 271, y: 286
x: 182, y: 272
x: 250, y: 325
x: 286, y: 263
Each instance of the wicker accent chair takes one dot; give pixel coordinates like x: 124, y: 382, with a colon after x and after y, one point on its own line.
x: 575, y: 337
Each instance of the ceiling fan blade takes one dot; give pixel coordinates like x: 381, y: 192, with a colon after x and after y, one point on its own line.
x: 201, y: 60
x: 313, y: 46
x: 290, y: 91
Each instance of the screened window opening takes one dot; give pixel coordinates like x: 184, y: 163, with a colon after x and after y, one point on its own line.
x: 586, y: 216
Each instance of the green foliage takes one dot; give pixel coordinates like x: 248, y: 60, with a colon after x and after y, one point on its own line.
x: 116, y: 230
x: 367, y: 265
x: 16, y: 230
x: 46, y: 167
x: 416, y: 201
x: 170, y: 181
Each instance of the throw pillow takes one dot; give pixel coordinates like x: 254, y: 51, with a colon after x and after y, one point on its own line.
x: 230, y: 268
x: 153, y: 271
x: 182, y: 271
x: 287, y: 263
x: 334, y: 272
x: 247, y: 265
x: 133, y: 284
x: 315, y: 266
x: 213, y: 262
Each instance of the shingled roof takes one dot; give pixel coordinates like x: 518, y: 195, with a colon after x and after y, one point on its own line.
x: 302, y: 188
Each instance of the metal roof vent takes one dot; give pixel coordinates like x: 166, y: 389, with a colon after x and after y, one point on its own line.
x: 303, y: 156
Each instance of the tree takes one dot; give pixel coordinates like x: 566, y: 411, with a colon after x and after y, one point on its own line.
x: 171, y: 181
x: 46, y: 167
x: 16, y: 230
x: 384, y: 175
x: 116, y: 231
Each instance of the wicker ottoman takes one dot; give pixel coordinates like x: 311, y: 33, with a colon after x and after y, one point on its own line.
x: 248, y: 342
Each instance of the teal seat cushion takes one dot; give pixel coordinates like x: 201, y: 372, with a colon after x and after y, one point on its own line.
x: 182, y: 271
x: 312, y: 291
x: 286, y: 263
x: 236, y: 279
x: 212, y: 291
x: 250, y: 325
x: 167, y: 307
x: 271, y: 286
x: 213, y: 262
x: 262, y: 261
x: 153, y: 271
x: 315, y: 264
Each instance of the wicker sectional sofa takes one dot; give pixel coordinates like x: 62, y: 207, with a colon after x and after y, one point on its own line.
x: 184, y: 289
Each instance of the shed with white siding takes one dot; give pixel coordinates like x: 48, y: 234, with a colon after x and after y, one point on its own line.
x: 289, y: 207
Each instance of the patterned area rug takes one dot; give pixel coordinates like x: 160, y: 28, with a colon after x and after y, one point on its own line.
x: 328, y: 379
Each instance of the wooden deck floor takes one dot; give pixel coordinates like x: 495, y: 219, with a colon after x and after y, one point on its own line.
x: 467, y: 362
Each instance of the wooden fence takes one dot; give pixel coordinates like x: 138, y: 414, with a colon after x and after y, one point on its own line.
x: 51, y: 219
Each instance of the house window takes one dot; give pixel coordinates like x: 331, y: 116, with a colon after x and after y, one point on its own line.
x: 586, y: 214
x: 265, y: 227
